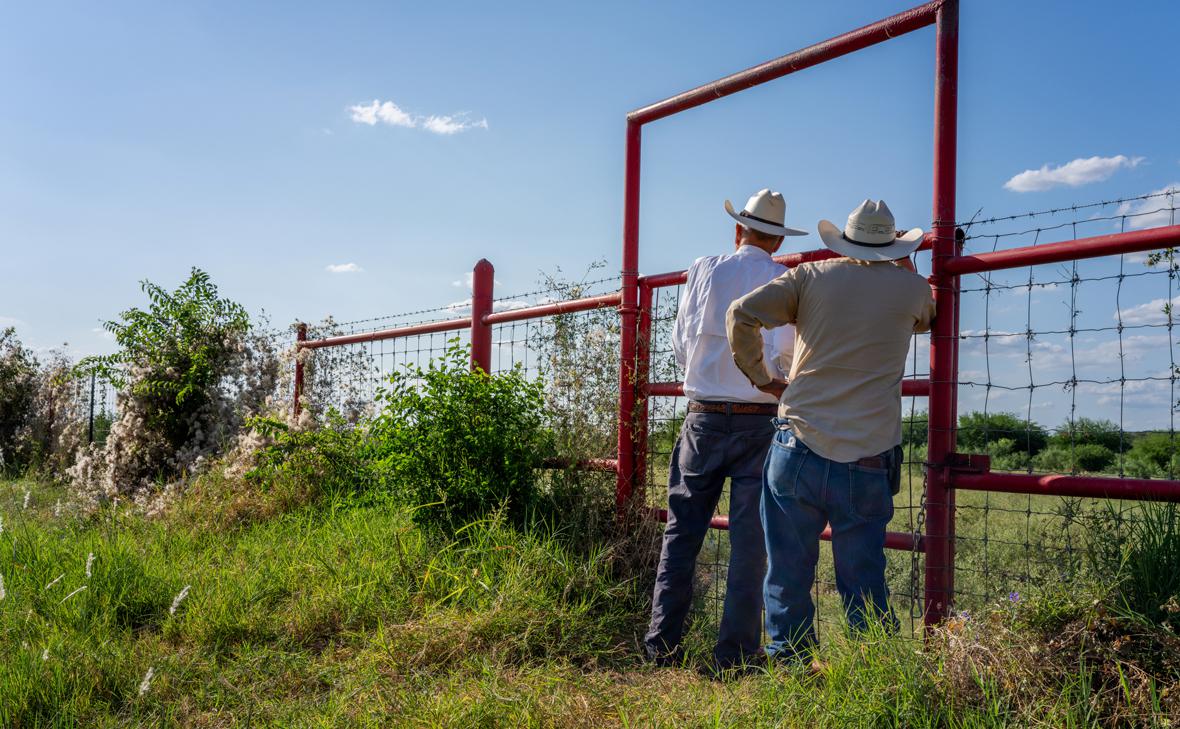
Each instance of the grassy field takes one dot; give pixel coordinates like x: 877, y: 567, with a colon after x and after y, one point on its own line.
x: 348, y: 615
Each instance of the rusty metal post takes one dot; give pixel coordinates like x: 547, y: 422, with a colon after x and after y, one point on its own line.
x: 940, y: 501
x: 628, y: 310
x: 483, y: 282
x: 300, y: 337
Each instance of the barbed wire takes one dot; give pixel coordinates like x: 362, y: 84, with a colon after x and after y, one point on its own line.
x: 1068, y: 208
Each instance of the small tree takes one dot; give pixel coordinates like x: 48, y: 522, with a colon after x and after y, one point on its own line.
x: 188, y: 373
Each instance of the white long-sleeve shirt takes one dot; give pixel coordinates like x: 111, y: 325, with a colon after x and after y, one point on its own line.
x: 699, y: 338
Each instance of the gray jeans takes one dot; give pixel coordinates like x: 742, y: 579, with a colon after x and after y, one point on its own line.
x: 712, y: 447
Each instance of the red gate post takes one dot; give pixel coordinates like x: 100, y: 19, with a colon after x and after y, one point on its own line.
x: 483, y: 280
x: 940, y: 499
x: 628, y: 310
x: 300, y: 337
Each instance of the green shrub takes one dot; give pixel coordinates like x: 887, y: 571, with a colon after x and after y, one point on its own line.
x: 457, y: 444
x: 1158, y: 448
x: 1090, y: 431
x: 978, y: 430
x: 333, y: 459
x: 1137, y: 465
x: 1083, y: 457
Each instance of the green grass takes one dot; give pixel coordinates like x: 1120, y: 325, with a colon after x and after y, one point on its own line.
x: 342, y: 615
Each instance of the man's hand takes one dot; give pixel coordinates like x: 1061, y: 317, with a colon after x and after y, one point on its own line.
x: 906, y: 263
x: 775, y: 387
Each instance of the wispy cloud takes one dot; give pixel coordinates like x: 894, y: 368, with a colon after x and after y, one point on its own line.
x: 1081, y: 171
x: 387, y: 112
x: 11, y: 321
x: 1158, y: 209
x: 451, y: 124
x: 343, y: 268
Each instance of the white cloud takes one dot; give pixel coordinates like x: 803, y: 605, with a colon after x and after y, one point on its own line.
x: 390, y: 113
x: 1158, y: 209
x: 1081, y: 171
x: 386, y: 112
x: 343, y: 268
x: 1150, y: 313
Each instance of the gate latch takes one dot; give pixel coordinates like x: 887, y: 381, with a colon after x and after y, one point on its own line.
x: 969, y: 462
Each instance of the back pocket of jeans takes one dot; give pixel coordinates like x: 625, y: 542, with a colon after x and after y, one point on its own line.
x: 869, y: 494
x: 781, y: 471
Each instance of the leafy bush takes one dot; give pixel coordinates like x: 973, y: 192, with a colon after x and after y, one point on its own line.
x: 1157, y: 448
x: 188, y: 373
x: 978, y: 430
x: 333, y: 459
x: 18, y: 392
x: 1083, y: 457
x: 1138, y: 466
x: 457, y: 444
x: 1091, y: 431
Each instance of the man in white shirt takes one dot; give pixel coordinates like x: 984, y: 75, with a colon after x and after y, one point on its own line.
x: 726, y: 434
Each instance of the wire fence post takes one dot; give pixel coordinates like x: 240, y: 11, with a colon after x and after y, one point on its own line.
x: 300, y: 337
x: 90, y: 430
x: 940, y: 506
x: 483, y: 282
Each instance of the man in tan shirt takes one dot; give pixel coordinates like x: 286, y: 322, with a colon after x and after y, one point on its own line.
x: 835, y: 454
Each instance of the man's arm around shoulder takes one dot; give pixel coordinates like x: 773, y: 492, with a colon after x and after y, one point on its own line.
x: 767, y: 307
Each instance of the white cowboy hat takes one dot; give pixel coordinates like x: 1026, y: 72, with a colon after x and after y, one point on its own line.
x: 765, y: 212
x: 870, y: 235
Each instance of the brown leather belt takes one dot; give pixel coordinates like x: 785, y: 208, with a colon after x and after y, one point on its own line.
x: 732, y: 408
x: 873, y: 462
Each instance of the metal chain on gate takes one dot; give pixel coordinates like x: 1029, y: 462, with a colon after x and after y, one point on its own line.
x: 916, y: 602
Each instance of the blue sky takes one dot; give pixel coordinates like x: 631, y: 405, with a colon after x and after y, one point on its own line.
x: 139, y: 139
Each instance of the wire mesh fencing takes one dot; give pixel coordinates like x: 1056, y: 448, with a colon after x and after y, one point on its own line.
x: 576, y: 355
x: 1063, y: 368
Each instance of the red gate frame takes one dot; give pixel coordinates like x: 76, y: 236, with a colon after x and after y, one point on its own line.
x: 945, y: 469
x: 636, y: 297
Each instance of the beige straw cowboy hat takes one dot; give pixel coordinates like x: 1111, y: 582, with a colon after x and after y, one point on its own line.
x: 870, y: 235
x: 765, y: 212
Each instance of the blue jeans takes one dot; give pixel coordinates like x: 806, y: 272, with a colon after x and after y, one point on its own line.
x: 712, y: 447
x: 803, y: 492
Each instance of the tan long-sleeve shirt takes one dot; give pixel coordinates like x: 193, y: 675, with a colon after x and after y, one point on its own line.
x: 853, y: 324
